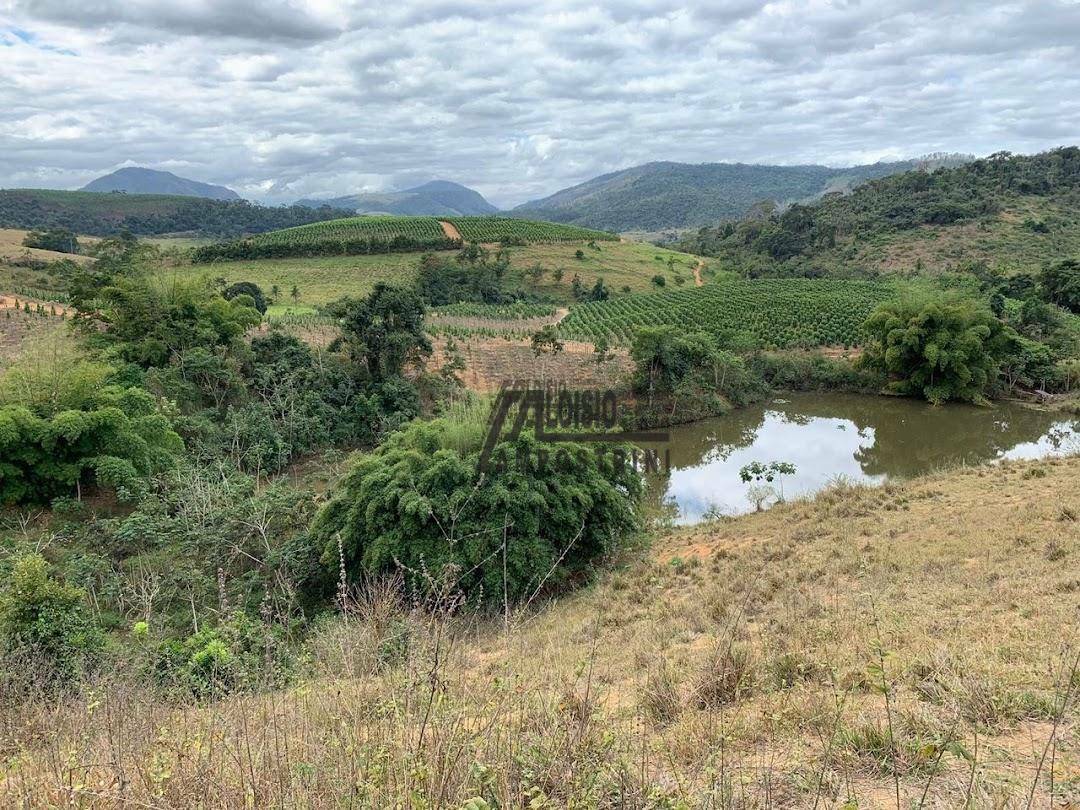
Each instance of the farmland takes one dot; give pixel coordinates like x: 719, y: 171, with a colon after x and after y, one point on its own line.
x: 389, y: 234
x: 321, y: 279
x: 776, y: 313
x: 498, y: 229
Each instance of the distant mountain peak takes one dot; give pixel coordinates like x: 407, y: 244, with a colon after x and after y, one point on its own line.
x: 434, y: 198
x: 139, y: 180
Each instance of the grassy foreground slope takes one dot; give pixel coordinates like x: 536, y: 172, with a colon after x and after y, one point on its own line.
x: 740, y: 664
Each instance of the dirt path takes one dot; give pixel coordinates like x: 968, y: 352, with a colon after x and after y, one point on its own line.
x: 697, y: 273
x: 451, y: 231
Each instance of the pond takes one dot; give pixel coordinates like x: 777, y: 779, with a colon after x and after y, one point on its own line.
x: 863, y: 439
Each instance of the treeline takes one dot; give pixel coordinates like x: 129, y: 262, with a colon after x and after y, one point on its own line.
x: 794, y: 239
x: 100, y: 214
x: 253, y: 249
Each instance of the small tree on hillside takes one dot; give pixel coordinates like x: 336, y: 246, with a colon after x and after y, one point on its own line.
x: 546, y: 342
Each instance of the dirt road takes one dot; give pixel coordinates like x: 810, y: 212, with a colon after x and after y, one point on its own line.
x: 450, y: 231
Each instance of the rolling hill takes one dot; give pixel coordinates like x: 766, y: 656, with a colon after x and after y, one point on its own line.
x: 665, y: 195
x: 1016, y: 212
x: 437, y: 198
x: 394, y: 234
x: 136, y: 180
x: 103, y: 214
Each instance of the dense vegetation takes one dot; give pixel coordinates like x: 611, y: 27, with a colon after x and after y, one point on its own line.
x: 660, y: 196
x: 101, y: 214
x: 164, y: 399
x: 775, y: 313
x: 827, y: 236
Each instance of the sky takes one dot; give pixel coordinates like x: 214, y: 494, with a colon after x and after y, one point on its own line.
x: 282, y: 99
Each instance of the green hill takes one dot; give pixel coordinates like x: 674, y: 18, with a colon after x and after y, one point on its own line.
x: 103, y: 214
x: 658, y: 196
x: 1016, y: 212
x: 393, y: 234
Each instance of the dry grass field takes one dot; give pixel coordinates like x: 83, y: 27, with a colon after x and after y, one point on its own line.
x: 907, y: 646
x: 11, y: 247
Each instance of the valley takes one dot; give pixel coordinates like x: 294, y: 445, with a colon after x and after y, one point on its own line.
x: 248, y: 504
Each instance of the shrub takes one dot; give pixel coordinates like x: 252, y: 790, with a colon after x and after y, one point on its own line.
x: 418, y: 507
x: 47, y: 620
x: 937, y: 349
x: 248, y: 288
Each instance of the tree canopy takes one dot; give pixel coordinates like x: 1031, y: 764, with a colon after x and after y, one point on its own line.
x: 939, y: 349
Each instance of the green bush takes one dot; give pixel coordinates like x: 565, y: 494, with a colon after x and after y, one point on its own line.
x: 47, y: 620
x: 421, y: 507
x: 939, y: 349
x: 238, y: 655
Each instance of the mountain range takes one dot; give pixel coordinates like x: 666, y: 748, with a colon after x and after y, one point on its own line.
x: 652, y: 197
x: 437, y: 198
x: 666, y: 195
x: 137, y: 180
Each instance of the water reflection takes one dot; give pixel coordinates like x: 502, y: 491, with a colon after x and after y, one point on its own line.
x: 866, y: 439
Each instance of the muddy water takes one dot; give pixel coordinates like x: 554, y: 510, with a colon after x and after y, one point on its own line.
x: 827, y: 436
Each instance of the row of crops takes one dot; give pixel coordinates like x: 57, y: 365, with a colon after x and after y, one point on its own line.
x: 351, y: 236
x: 519, y: 310
x: 390, y: 234
x: 776, y: 313
x: 503, y: 229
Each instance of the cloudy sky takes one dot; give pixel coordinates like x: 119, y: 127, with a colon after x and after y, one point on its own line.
x: 281, y: 99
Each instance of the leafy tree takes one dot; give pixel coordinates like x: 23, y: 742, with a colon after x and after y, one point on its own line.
x: 385, y: 332
x: 602, y: 351
x: 250, y: 289
x: 688, y: 375
x: 658, y: 280
x: 62, y: 425
x: 148, y: 326
x: 760, y: 476
x: 577, y: 288
x: 938, y: 349
x: 1062, y: 284
x: 115, y: 442
x: 599, y: 292
x: 546, y: 341
x: 416, y: 507
x: 473, y: 277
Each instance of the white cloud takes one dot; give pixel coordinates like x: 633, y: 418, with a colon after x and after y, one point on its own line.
x: 282, y: 98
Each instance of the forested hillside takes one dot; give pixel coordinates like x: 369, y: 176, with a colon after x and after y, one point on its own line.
x: 663, y: 195
x: 1016, y: 212
x: 104, y: 214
